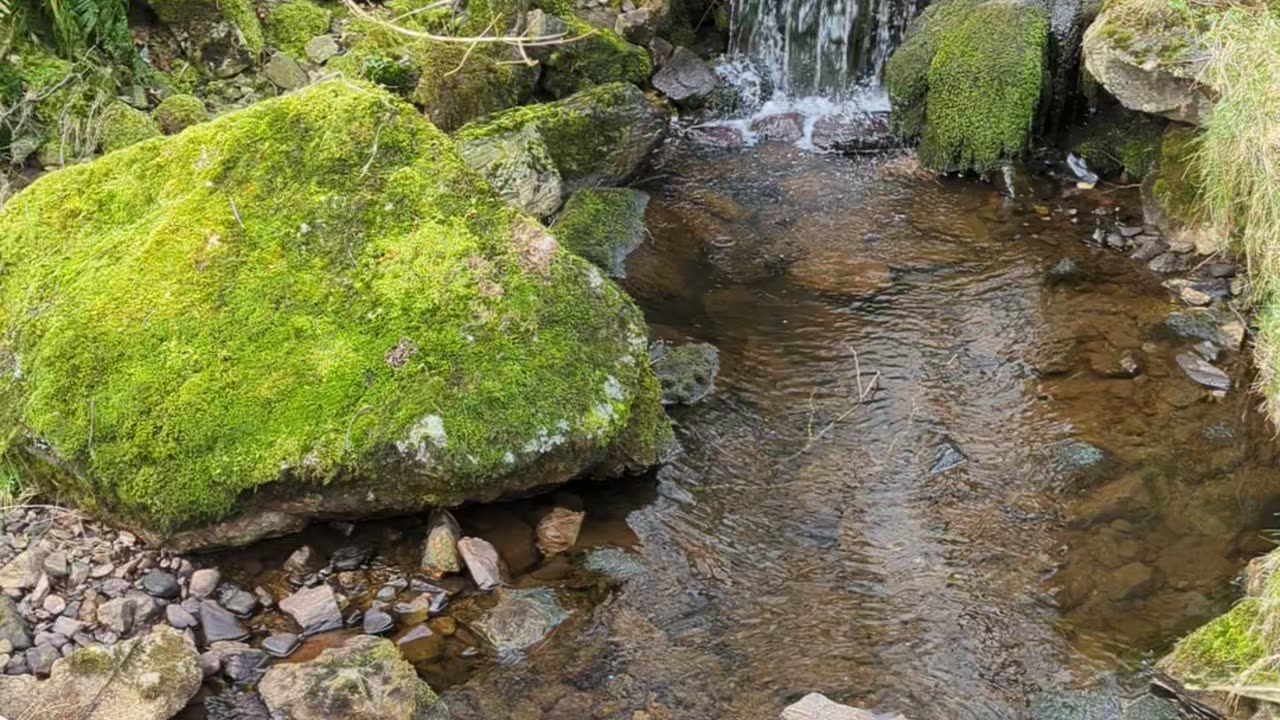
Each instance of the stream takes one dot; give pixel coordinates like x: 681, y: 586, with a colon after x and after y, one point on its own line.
x: 930, y: 481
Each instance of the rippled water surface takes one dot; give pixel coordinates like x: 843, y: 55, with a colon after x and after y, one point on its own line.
x: 929, y: 482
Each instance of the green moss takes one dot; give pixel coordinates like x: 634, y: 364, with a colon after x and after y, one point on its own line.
x: 123, y: 126
x: 329, y: 293
x: 92, y: 660
x: 179, y: 112
x: 602, y: 226
x: 1220, y: 649
x: 454, y: 88
x: 906, y: 75
x: 1119, y: 141
x: 984, y: 85
x: 292, y: 25
x: 1175, y: 187
x: 599, y: 58
x: 241, y: 13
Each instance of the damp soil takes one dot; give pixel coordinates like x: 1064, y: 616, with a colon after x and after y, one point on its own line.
x: 932, y: 480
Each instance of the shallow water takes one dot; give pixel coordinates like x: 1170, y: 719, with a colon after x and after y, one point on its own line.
x: 876, y: 327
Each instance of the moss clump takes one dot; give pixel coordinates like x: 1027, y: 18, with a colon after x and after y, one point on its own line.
x: 1174, y: 188
x: 123, y: 126
x: 599, y: 58
x: 984, y: 85
x: 603, y: 226
x: 315, y: 314
x: 1221, y: 649
x: 906, y: 75
x: 293, y: 24
x: 179, y: 112
x: 1119, y: 141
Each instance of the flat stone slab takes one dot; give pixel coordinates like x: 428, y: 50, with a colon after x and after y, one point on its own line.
x: 1202, y: 372
x: 816, y: 706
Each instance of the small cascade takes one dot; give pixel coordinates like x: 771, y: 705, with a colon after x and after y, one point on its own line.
x: 826, y: 48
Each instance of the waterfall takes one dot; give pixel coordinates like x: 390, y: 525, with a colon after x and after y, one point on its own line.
x: 819, y: 47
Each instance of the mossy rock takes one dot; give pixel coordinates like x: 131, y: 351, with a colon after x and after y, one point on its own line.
x: 599, y: 57
x: 906, y: 74
x: 179, y: 112
x: 221, y: 37
x: 1149, y: 55
x: 603, y: 226
x: 338, y: 318
x: 1117, y: 142
x: 597, y: 137
x: 451, y: 84
x: 292, y: 25
x: 123, y: 126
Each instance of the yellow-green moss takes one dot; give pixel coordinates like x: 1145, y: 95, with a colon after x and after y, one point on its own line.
x: 1175, y: 188
x: 601, y: 57
x: 293, y: 24
x: 305, y: 291
x: 123, y: 126
x: 906, y: 75
x: 1219, y: 650
x: 179, y: 112
x: 984, y: 85
x: 603, y: 225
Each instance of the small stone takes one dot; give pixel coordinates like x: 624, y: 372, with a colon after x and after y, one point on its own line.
x: 1208, y: 350
x: 101, y: 571
x: 350, y: 557
x: 816, y: 706
x: 204, y: 581
x: 13, y: 627
x: 285, y: 72
x: 17, y: 665
x: 686, y: 78
x: 242, y: 663
x: 218, y: 624
x: 178, y: 617
x: 41, y: 659
x: 79, y: 573
x: 240, y: 602
x: 26, y: 569
x: 377, y: 622
x: 420, y: 644
x: 67, y: 627
x: 115, y: 587
x: 948, y: 457
x: 210, y: 663
x: 321, y: 48
x: 558, y: 530
x: 1149, y: 249
x: 55, y: 565
x: 303, y: 561
x: 440, y: 551
x: 117, y: 615
x: 282, y: 645
x: 54, y: 604
x: 483, y: 563
x: 1194, y: 297
x: 314, y: 609
x: 161, y: 584
x: 265, y: 598
x: 1203, y: 373
x: 1167, y: 263
x: 416, y: 610
x: 1221, y: 270
x: 1130, y: 231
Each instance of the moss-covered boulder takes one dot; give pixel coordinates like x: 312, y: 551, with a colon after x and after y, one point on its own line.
x: 537, y: 155
x: 221, y: 37
x: 1172, y: 197
x: 598, y: 57
x: 123, y: 126
x: 603, y: 226
x: 968, y: 79
x: 179, y: 112
x: 292, y: 25
x: 452, y: 83
x: 310, y: 307
x: 1149, y: 54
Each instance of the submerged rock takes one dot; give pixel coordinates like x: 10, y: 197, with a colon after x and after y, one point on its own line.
x: 948, y: 456
x: 1202, y: 372
x: 482, y: 562
x: 603, y: 226
x: 520, y: 620
x: 363, y: 679
x: 361, y: 331
x: 314, y: 609
x: 687, y: 372
x: 597, y: 137
x: 558, y: 530
x: 146, y: 678
x: 440, y: 551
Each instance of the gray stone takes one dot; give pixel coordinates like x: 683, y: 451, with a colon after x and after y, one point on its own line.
x: 482, y: 562
x: 239, y: 662
x: 1064, y: 271
x: 117, y: 615
x: 314, y: 609
x: 240, y: 602
x: 13, y: 628
x: 816, y: 706
x: 281, y: 645
x: 377, y: 622
x: 67, y: 627
x: 520, y: 620
x: 285, y: 72
x: 302, y: 561
x: 947, y: 457
x: 781, y: 127
x: 1202, y: 372
x: 687, y: 372
x: 1141, y: 80
x: 686, y: 78
x: 637, y: 26
x: 24, y: 570
x: 390, y: 688
x: 54, y: 604
x: 150, y: 677
x: 55, y: 565
x: 161, y: 584
x: 520, y: 167
x: 321, y: 48
x: 178, y: 617
x: 41, y: 659
x: 218, y: 624
x: 204, y: 581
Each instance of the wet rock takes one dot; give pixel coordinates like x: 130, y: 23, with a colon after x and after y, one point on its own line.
x: 947, y: 457
x: 117, y: 615
x: 314, y: 609
x: 1210, y: 324
x: 284, y: 72
x: 686, y: 372
x: 836, y: 271
x: 239, y: 602
x: 351, y: 557
x: 302, y: 561
x: 389, y: 688
x: 420, y: 644
x: 1149, y: 249
x: 1168, y: 262
x: 150, y: 677
x: 13, y: 628
x: 161, y: 584
x: 784, y: 127
x: 377, y: 622
x: 281, y: 645
x: 855, y: 134
x: 604, y: 226
x: 1065, y: 271
x: 558, y: 530
x: 440, y: 551
x: 204, y: 581
x: 236, y: 706
x: 520, y: 620
x: 816, y: 706
x: 218, y: 624
x: 1108, y: 363
x: 417, y: 610
x: 1221, y: 270
x: 614, y: 562
x: 239, y: 662
x: 482, y: 562
x: 686, y: 79
x: 1202, y: 372
x: 1099, y: 705
x: 1132, y: 582
x: 1081, y: 463
x: 715, y: 136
